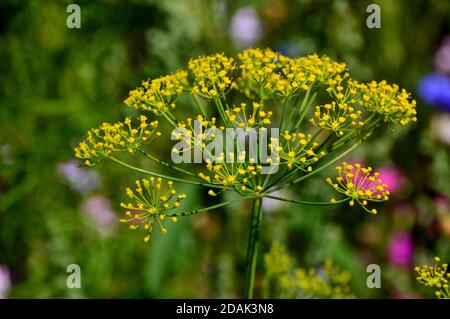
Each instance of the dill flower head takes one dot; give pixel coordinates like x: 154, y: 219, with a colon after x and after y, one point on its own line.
x: 329, y: 281
x: 258, y: 65
x: 192, y: 137
x: 239, y: 175
x: 340, y: 115
x: 151, y: 203
x: 390, y: 102
x: 101, y: 142
x: 158, y: 95
x: 277, y: 261
x: 360, y: 185
x: 238, y: 117
x: 212, y: 75
x: 296, y: 75
x: 435, y: 276
x: 296, y: 150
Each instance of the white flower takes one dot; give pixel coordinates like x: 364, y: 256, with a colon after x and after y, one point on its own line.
x: 245, y: 27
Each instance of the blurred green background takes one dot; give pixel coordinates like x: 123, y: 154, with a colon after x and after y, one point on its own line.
x: 56, y: 83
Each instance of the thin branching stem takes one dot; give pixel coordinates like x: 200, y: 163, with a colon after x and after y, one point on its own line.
x: 150, y: 173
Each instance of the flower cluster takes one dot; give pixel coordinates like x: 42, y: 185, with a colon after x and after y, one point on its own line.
x: 212, y: 75
x: 334, y: 283
x: 108, y: 138
x: 391, y: 103
x: 151, y: 204
x: 158, y: 95
x: 240, y: 175
x: 296, y: 150
x: 341, y: 114
x: 327, y: 282
x: 359, y: 184
x: 282, y: 76
x: 238, y: 116
x: 193, y: 134
x: 435, y: 276
x: 300, y: 74
x: 257, y: 65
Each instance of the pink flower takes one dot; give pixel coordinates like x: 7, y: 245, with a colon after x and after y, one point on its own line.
x: 98, y: 210
x: 442, y: 57
x: 5, y: 282
x: 393, y: 178
x: 400, y: 249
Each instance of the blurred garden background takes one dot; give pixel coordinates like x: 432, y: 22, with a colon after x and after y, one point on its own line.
x: 56, y: 83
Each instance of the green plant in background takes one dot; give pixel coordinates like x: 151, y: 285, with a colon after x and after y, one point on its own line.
x: 435, y: 276
x: 273, y: 91
x: 282, y: 280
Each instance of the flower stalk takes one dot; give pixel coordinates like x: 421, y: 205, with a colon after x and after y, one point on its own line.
x: 252, y: 248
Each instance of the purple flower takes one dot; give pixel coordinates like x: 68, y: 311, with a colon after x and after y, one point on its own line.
x: 5, y: 282
x: 434, y: 89
x: 393, y: 178
x: 245, y: 27
x: 98, y: 210
x: 442, y: 57
x: 400, y: 249
x: 79, y: 179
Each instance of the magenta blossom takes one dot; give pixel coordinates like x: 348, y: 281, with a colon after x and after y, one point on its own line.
x: 400, y: 249
x: 393, y: 178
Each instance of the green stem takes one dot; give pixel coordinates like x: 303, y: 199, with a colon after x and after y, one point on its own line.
x: 162, y: 163
x: 199, y: 105
x: 143, y: 171
x: 305, y: 110
x: 282, y: 114
x: 169, y: 120
x: 193, y: 212
x: 252, y: 250
x: 306, y: 203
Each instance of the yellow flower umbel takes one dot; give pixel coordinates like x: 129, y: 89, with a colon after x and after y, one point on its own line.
x: 108, y: 138
x: 239, y: 175
x: 257, y: 65
x: 238, y: 117
x: 186, y: 132
x: 151, y: 204
x: 212, y: 75
x: 435, y: 276
x: 329, y: 282
x: 296, y: 150
x: 158, y: 95
x: 300, y: 74
x: 360, y: 185
x: 340, y: 115
x: 391, y: 103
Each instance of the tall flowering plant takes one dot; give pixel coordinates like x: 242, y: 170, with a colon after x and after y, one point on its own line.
x: 292, y: 118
